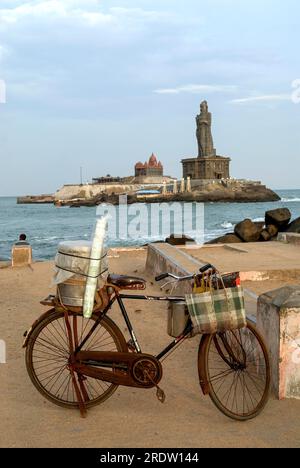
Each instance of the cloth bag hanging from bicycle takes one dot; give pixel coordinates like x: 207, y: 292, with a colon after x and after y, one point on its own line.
x: 216, y: 310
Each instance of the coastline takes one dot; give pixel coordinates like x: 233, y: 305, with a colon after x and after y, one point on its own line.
x: 221, y: 191
x: 46, y: 225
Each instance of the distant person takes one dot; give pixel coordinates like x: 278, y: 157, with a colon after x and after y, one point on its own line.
x: 22, y: 240
x: 21, y: 254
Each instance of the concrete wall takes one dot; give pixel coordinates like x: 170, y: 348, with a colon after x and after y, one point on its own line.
x: 68, y: 192
x: 202, y: 183
x: 278, y: 319
x: 289, y: 238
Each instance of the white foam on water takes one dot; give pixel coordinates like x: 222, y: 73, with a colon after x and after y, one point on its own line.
x: 290, y: 200
x: 227, y: 225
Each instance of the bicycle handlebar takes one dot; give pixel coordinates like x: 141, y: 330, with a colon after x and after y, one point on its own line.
x: 177, y: 278
x: 184, y: 278
x: 161, y: 277
x: 206, y: 267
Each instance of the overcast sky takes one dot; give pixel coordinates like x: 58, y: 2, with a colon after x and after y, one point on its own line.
x: 103, y: 84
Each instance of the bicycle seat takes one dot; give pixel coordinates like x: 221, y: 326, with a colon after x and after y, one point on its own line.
x: 126, y: 282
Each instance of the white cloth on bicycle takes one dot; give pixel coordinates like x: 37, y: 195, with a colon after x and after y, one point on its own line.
x: 95, y: 267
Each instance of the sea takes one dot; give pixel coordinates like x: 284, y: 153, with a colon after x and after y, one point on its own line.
x: 46, y: 225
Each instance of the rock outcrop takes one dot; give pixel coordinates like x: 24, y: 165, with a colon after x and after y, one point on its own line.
x: 227, y: 239
x: 276, y: 221
x: 272, y: 230
x: 35, y: 199
x: 294, y: 226
x: 179, y: 240
x: 279, y: 217
x: 247, y: 231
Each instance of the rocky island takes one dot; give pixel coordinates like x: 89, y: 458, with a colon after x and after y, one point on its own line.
x: 234, y: 191
x: 35, y: 199
x: 206, y: 178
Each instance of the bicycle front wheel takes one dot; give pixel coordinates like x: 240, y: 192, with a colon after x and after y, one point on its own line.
x: 237, y: 372
x: 47, y: 357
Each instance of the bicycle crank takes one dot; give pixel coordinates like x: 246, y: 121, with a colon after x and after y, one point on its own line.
x: 128, y: 369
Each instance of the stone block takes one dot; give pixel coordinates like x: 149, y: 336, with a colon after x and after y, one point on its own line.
x: 278, y: 320
x: 21, y: 255
x: 289, y: 238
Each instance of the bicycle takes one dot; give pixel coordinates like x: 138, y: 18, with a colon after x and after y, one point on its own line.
x: 79, y: 363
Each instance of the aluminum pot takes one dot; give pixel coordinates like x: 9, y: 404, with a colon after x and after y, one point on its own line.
x: 178, y: 317
x: 71, y: 291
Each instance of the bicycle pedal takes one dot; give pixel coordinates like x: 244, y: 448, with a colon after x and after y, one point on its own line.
x: 160, y: 394
x: 131, y: 346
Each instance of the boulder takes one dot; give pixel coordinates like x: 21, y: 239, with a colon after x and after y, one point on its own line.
x: 272, y: 230
x: 230, y: 238
x: 259, y: 224
x: 248, y: 231
x: 294, y: 226
x: 179, y: 240
x: 279, y: 217
x: 265, y: 235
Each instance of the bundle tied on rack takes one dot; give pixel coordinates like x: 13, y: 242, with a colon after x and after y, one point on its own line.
x: 76, y: 265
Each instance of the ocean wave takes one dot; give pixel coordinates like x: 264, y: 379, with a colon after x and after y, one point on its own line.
x: 214, y: 233
x: 227, y: 225
x: 290, y: 200
x: 258, y: 220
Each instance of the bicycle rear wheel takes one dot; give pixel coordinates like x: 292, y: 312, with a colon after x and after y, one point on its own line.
x: 47, y: 357
x: 237, y: 372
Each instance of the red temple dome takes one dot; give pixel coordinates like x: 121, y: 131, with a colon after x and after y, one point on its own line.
x: 153, y: 160
x: 151, y: 168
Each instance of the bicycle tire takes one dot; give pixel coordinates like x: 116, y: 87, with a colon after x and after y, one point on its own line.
x: 237, y: 410
x: 55, y: 353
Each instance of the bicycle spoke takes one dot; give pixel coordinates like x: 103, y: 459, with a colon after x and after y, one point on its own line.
x: 49, y: 358
x: 238, y: 372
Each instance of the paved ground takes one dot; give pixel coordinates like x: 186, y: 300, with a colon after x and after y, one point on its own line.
x: 131, y: 418
x: 270, y: 260
x: 264, y: 256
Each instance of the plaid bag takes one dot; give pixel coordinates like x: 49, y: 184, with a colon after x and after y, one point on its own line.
x: 217, y: 310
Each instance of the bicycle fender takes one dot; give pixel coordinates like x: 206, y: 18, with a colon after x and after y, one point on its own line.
x: 28, y: 332
x: 201, y: 364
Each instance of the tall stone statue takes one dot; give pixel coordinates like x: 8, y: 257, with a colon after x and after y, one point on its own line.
x: 204, y: 135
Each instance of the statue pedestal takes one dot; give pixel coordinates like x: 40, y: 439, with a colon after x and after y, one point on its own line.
x: 208, y: 168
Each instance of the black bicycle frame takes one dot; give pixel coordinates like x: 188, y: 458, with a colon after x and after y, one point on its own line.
x: 119, y: 298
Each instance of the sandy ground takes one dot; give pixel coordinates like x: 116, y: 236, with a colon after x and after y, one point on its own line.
x: 130, y: 418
